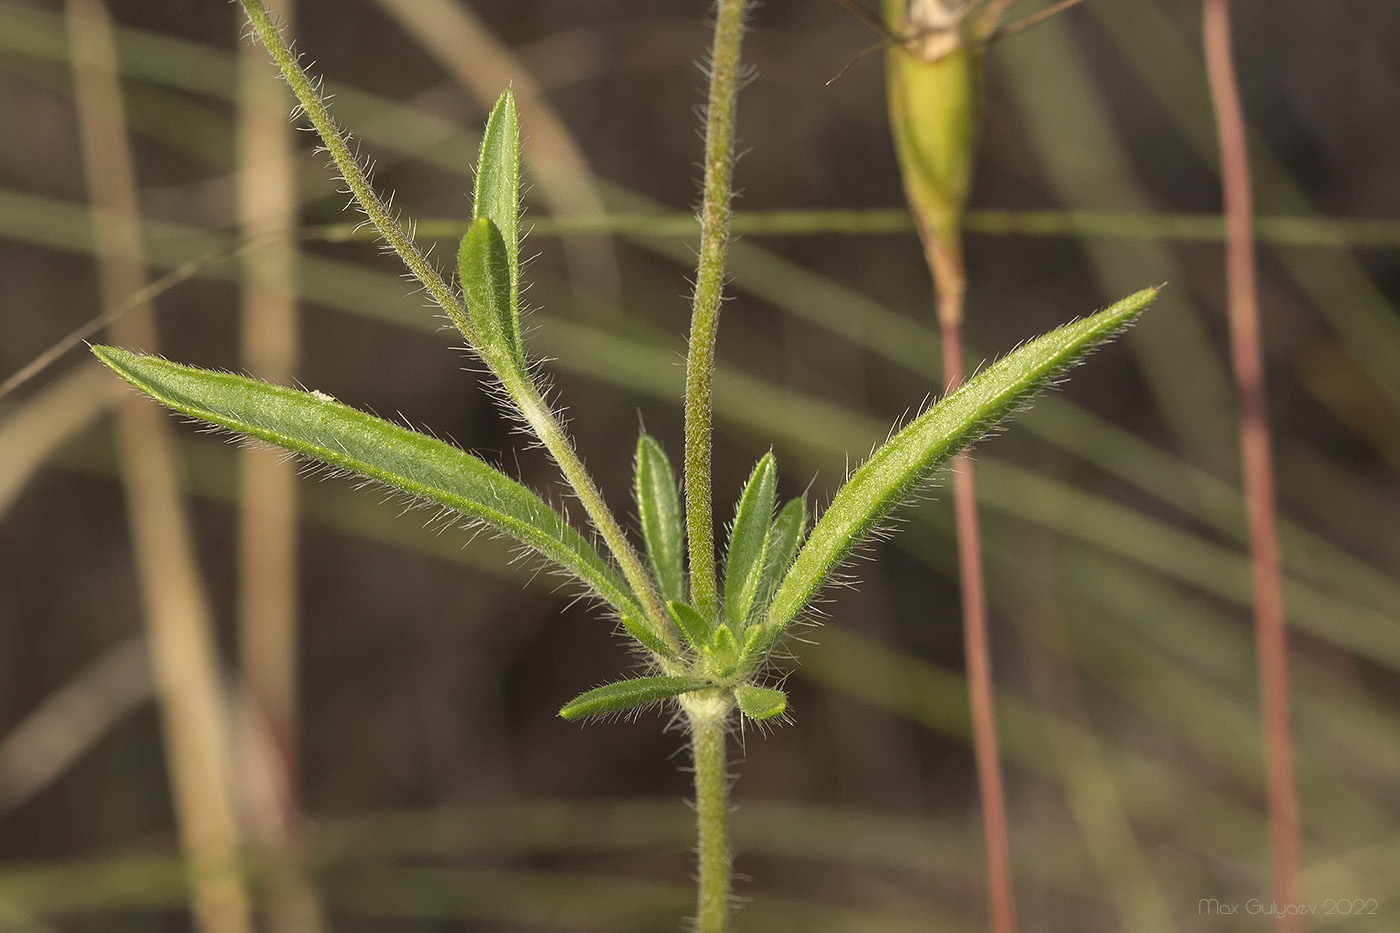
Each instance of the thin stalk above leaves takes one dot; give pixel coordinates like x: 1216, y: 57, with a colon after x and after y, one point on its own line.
x: 709, y: 286
x: 706, y: 719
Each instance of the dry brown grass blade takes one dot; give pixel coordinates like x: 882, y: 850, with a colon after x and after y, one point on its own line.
x: 179, y: 623
x: 270, y: 349
x: 268, y: 554
x: 38, y: 427
x: 1093, y: 797
x: 459, y: 42
x: 74, y: 338
x: 72, y: 719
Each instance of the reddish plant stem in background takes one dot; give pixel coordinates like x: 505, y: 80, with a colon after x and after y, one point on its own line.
x: 1247, y: 360
x: 946, y: 261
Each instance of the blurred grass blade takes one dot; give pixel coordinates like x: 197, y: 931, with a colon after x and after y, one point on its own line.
x: 1256, y: 450
x: 659, y: 508
x: 748, y: 543
x: 895, y: 470
x: 629, y: 694
x: 325, y: 430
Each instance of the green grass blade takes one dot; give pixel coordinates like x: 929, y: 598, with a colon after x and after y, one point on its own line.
x: 624, y: 695
x: 897, y: 469
x: 496, y: 194
x: 659, y: 508
x: 317, y: 426
x: 748, y: 543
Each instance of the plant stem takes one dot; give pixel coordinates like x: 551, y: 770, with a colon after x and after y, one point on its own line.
x: 945, y: 259
x: 709, y: 284
x: 376, y: 209
x: 706, y: 719
x: 551, y: 433
x: 524, y: 394
x: 1248, y: 364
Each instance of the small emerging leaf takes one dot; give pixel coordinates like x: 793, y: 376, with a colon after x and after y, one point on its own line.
x: 692, y: 624
x: 760, y: 703
x: 317, y: 426
x: 897, y: 469
x: 649, y: 640
x: 789, y: 529
x: 496, y: 195
x: 723, y: 652
x: 748, y: 543
x: 629, y: 694
x: 483, y: 264
x: 659, y: 507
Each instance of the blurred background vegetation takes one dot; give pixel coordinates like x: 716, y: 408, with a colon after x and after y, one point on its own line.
x: 423, y: 780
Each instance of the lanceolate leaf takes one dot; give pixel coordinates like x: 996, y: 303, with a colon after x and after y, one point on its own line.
x: 319, y: 427
x: 659, y: 507
x: 748, y: 543
x: 897, y: 469
x: 692, y: 624
x: 496, y: 194
x: 483, y: 265
x: 784, y: 539
x: 629, y: 694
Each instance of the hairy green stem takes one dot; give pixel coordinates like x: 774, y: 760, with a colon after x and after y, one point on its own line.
x: 551, y: 433
x: 706, y: 718
x: 709, y: 284
x: 526, y: 396
x: 336, y: 142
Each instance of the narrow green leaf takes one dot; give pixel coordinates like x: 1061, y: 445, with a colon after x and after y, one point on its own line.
x: 496, y: 194
x: 648, y: 639
x: 748, y: 543
x: 317, y: 426
x: 895, y: 471
x: 483, y: 266
x: 760, y: 703
x: 629, y: 694
x: 659, y: 507
x: 789, y: 529
x: 692, y: 624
